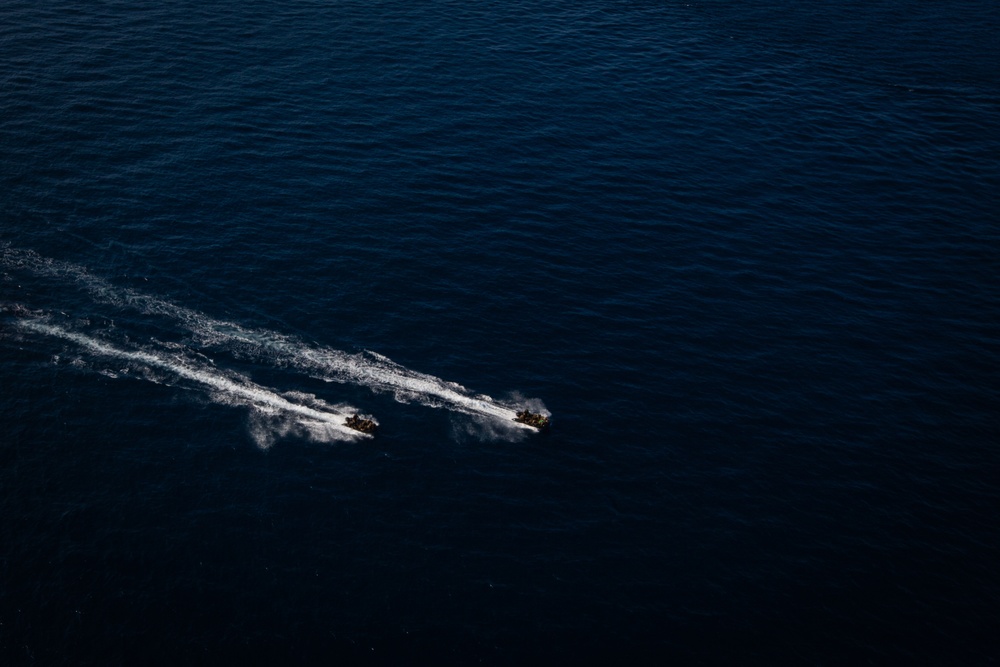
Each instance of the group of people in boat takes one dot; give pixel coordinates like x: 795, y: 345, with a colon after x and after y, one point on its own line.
x: 356, y: 422
x: 532, y: 419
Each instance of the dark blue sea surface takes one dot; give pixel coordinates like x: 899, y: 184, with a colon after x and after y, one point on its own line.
x: 744, y: 255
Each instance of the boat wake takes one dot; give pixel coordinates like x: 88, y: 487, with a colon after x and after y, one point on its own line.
x: 270, y: 349
x: 292, y: 413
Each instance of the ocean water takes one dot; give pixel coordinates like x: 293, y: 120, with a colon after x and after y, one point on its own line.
x: 745, y: 255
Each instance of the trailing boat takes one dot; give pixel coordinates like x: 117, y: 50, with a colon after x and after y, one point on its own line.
x: 358, y: 423
x: 541, y: 422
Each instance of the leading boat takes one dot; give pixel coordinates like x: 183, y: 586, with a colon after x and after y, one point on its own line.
x: 541, y: 422
x: 358, y: 423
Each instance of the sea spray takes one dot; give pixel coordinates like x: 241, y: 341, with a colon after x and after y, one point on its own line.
x: 293, y: 412
x: 367, y: 369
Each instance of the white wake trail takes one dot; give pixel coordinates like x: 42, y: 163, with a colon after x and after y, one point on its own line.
x: 370, y: 369
x: 322, y: 422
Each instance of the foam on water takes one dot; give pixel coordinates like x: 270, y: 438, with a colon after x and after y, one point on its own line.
x: 297, y: 413
x: 369, y: 369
